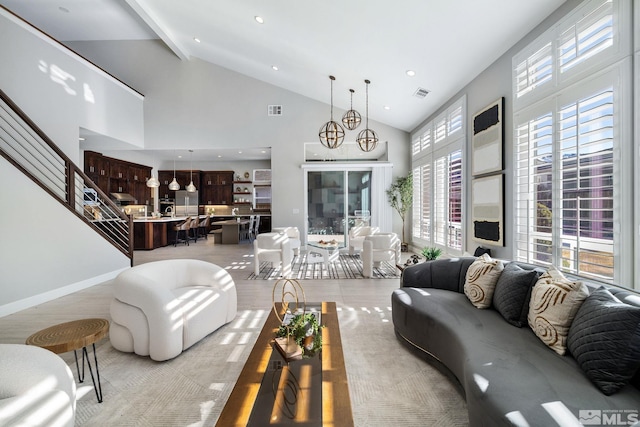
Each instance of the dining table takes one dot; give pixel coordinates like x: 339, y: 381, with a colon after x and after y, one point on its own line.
x: 231, y: 229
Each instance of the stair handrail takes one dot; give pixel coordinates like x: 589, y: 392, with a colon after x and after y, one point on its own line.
x: 30, y: 150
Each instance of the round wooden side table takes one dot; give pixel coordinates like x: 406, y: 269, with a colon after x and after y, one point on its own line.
x: 74, y: 335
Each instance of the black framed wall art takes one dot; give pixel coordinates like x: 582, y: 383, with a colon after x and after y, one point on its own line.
x: 487, y: 140
x: 488, y: 209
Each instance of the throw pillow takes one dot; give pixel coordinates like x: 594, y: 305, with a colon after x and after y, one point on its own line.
x: 555, y: 300
x: 512, y: 293
x: 605, y: 340
x: 481, y: 279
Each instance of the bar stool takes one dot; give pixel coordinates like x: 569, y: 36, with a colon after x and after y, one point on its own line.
x: 203, y: 227
x: 193, y: 229
x: 183, y: 228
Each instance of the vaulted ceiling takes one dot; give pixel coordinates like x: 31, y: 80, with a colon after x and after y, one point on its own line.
x: 446, y: 43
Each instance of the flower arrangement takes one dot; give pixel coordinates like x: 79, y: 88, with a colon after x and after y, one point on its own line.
x: 305, y: 330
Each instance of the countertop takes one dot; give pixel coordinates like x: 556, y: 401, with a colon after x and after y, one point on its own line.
x: 182, y: 218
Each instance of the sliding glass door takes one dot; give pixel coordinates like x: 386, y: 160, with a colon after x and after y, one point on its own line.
x: 336, y: 201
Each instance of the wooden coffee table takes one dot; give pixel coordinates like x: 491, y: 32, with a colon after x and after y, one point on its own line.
x: 74, y: 335
x: 335, y: 401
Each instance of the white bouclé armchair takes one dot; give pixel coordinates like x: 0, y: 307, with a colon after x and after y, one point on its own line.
x: 357, y: 235
x: 294, y: 237
x: 36, y: 388
x: 378, y: 248
x: 162, y: 308
x: 274, y: 248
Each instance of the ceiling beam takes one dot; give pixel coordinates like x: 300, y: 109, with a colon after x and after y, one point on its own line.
x: 147, y: 15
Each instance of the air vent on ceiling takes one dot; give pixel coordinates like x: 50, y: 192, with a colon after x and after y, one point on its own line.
x: 421, y: 93
x: 274, y: 110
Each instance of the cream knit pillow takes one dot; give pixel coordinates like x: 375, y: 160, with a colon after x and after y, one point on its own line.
x: 481, y: 279
x: 555, y: 300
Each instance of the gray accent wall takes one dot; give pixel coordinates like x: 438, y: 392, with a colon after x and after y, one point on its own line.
x: 483, y: 89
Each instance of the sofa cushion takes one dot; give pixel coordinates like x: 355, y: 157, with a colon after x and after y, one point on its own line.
x: 512, y: 293
x: 481, y: 279
x: 605, y: 340
x: 555, y: 300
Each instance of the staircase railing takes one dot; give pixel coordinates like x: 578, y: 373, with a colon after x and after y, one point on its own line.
x: 25, y: 146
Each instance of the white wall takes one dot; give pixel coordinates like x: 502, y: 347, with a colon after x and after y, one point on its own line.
x: 61, y: 94
x: 45, y: 251
x: 194, y: 104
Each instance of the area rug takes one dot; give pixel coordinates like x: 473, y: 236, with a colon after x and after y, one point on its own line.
x: 388, y: 385
x: 345, y: 267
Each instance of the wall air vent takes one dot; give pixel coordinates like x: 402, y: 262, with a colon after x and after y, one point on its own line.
x: 274, y: 110
x: 421, y: 93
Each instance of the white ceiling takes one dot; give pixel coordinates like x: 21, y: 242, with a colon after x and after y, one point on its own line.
x: 446, y: 42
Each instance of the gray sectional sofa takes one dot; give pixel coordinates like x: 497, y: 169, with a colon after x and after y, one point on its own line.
x: 508, y: 375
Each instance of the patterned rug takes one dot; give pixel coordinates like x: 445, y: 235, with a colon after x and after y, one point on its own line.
x: 345, y: 267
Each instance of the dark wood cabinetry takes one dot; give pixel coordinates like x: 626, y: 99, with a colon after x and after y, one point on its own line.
x: 118, y: 176
x: 216, y: 188
x: 165, y: 178
x: 183, y: 178
x: 97, y: 168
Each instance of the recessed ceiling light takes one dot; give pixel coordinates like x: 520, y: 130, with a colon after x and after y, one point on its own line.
x: 275, y: 68
x: 240, y: 152
x: 197, y: 40
x: 81, y: 139
x: 386, y: 107
x: 263, y: 151
x: 411, y: 73
x: 219, y: 156
x: 259, y: 19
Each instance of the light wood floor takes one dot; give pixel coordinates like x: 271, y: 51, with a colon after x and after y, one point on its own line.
x: 237, y: 259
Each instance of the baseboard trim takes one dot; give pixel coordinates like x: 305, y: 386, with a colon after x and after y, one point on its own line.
x: 35, y: 300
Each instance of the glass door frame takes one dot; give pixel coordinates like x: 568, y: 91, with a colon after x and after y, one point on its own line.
x: 332, y: 167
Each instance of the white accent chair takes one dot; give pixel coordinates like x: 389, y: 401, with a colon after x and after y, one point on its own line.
x: 275, y: 248
x: 162, y: 308
x: 294, y: 237
x: 378, y: 248
x: 357, y: 235
x: 36, y: 387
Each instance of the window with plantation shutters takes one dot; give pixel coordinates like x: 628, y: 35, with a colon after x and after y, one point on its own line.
x: 415, y: 146
x: 422, y: 202
x: 447, y: 200
x: 534, y: 71
x: 588, y: 37
x: 533, y: 190
x: 587, y: 40
x: 438, y: 181
x: 425, y: 139
x: 572, y: 160
x: 454, y: 201
x: 586, y: 160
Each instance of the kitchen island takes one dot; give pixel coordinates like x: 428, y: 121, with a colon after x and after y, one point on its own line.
x: 151, y: 233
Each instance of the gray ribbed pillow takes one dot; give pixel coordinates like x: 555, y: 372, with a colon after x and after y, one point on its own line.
x: 604, y: 338
x: 512, y: 293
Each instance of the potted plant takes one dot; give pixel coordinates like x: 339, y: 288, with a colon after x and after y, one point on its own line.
x: 400, y: 196
x: 301, y: 337
x: 431, y: 253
